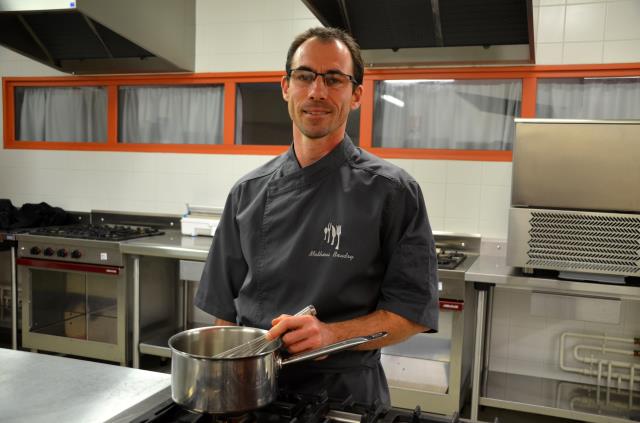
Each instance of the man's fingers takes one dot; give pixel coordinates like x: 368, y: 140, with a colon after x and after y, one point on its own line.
x: 298, y: 335
x: 281, y: 324
x: 292, y: 326
x: 304, y: 345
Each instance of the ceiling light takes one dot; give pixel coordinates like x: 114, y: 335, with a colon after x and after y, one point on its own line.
x: 393, y: 100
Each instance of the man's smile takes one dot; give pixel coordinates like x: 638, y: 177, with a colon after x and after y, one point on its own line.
x: 316, y: 111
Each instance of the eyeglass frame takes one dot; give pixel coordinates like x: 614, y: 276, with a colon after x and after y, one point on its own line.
x: 316, y: 74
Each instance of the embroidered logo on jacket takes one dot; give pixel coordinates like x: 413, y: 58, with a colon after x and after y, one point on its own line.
x: 332, y: 234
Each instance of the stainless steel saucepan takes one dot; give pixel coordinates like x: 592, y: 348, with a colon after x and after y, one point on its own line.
x: 202, y: 383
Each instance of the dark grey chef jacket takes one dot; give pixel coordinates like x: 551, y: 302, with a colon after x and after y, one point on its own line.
x: 348, y: 234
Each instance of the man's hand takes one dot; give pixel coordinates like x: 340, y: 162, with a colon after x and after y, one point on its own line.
x: 301, y: 333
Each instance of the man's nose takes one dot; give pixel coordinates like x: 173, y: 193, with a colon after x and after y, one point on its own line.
x: 318, y: 88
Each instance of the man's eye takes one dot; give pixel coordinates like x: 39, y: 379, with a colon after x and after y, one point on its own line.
x: 304, y: 76
x: 332, y: 80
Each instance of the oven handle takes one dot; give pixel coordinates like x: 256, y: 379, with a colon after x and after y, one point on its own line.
x: 451, y: 305
x: 78, y: 267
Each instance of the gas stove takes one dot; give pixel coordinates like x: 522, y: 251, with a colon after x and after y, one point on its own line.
x: 93, y: 241
x: 97, y: 232
x: 449, y: 259
x: 455, y: 254
x: 301, y: 408
x: 82, y: 243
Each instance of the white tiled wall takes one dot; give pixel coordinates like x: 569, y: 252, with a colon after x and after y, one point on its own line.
x: 248, y: 35
x: 587, y: 31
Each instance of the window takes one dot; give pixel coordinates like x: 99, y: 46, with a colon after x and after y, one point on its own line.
x: 170, y: 114
x: 262, y: 117
x: 438, y: 113
x: 446, y: 114
x: 66, y: 114
x: 589, y: 98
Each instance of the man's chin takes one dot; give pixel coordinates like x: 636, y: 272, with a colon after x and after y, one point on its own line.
x: 314, y: 134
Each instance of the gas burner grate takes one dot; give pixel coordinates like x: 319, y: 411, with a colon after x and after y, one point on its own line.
x: 449, y: 259
x: 288, y: 408
x: 97, y: 232
x: 301, y: 408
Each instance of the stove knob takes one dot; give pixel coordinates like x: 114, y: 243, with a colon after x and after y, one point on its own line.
x: 48, y: 251
x: 35, y: 250
x: 76, y: 254
x: 62, y: 252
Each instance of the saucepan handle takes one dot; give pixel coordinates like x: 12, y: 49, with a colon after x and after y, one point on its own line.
x: 330, y: 349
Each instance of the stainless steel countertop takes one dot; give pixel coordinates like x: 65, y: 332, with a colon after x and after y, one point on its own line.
x: 46, y: 388
x: 493, y: 269
x: 171, y: 245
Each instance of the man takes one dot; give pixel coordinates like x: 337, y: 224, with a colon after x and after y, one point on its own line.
x: 325, y: 224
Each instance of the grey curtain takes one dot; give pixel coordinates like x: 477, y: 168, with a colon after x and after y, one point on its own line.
x: 447, y: 114
x: 71, y: 114
x: 171, y: 115
x: 578, y: 98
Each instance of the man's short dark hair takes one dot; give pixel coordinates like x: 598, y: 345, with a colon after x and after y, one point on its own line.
x: 328, y: 34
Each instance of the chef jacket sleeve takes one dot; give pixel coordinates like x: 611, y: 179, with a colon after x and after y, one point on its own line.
x: 225, y: 268
x: 410, y: 284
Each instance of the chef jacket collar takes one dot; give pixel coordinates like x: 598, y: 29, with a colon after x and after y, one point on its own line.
x: 294, y: 176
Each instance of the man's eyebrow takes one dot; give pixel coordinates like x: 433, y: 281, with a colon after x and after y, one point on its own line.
x: 335, y: 71
x: 313, y: 70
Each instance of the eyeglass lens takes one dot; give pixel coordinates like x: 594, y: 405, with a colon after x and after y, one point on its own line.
x: 331, y: 79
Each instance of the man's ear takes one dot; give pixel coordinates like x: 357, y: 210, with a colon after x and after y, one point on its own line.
x: 356, y: 97
x: 284, y: 84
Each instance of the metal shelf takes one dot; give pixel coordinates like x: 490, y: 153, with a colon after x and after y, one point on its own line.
x: 422, y: 346
x: 158, y: 343
x: 559, y: 398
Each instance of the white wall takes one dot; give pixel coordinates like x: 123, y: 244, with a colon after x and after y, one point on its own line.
x: 587, y: 31
x: 250, y: 35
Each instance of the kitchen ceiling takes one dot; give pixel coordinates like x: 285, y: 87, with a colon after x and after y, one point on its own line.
x: 97, y: 36
x: 417, y: 32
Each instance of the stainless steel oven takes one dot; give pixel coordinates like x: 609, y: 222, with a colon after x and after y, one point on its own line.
x: 434, y: 370
x: 77, y: 290
x: 74, y: 298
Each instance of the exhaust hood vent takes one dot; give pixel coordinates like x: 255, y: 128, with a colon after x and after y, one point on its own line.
x: 97, y: 36
x: 431, y: 32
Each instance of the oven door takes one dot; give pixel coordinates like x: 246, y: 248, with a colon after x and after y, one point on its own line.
x: 73, y: 308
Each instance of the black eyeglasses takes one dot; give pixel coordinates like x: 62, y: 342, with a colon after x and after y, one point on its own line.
x: 305, y: 77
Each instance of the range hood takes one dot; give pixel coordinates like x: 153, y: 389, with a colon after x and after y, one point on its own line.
x: 102, y: 36
x: 434, y: 32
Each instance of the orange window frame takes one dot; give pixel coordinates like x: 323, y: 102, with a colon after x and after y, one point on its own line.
x: 528, y: 74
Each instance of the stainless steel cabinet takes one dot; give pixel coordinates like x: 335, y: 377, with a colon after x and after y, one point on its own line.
x: 187, y: 316
x: 524, y: 362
